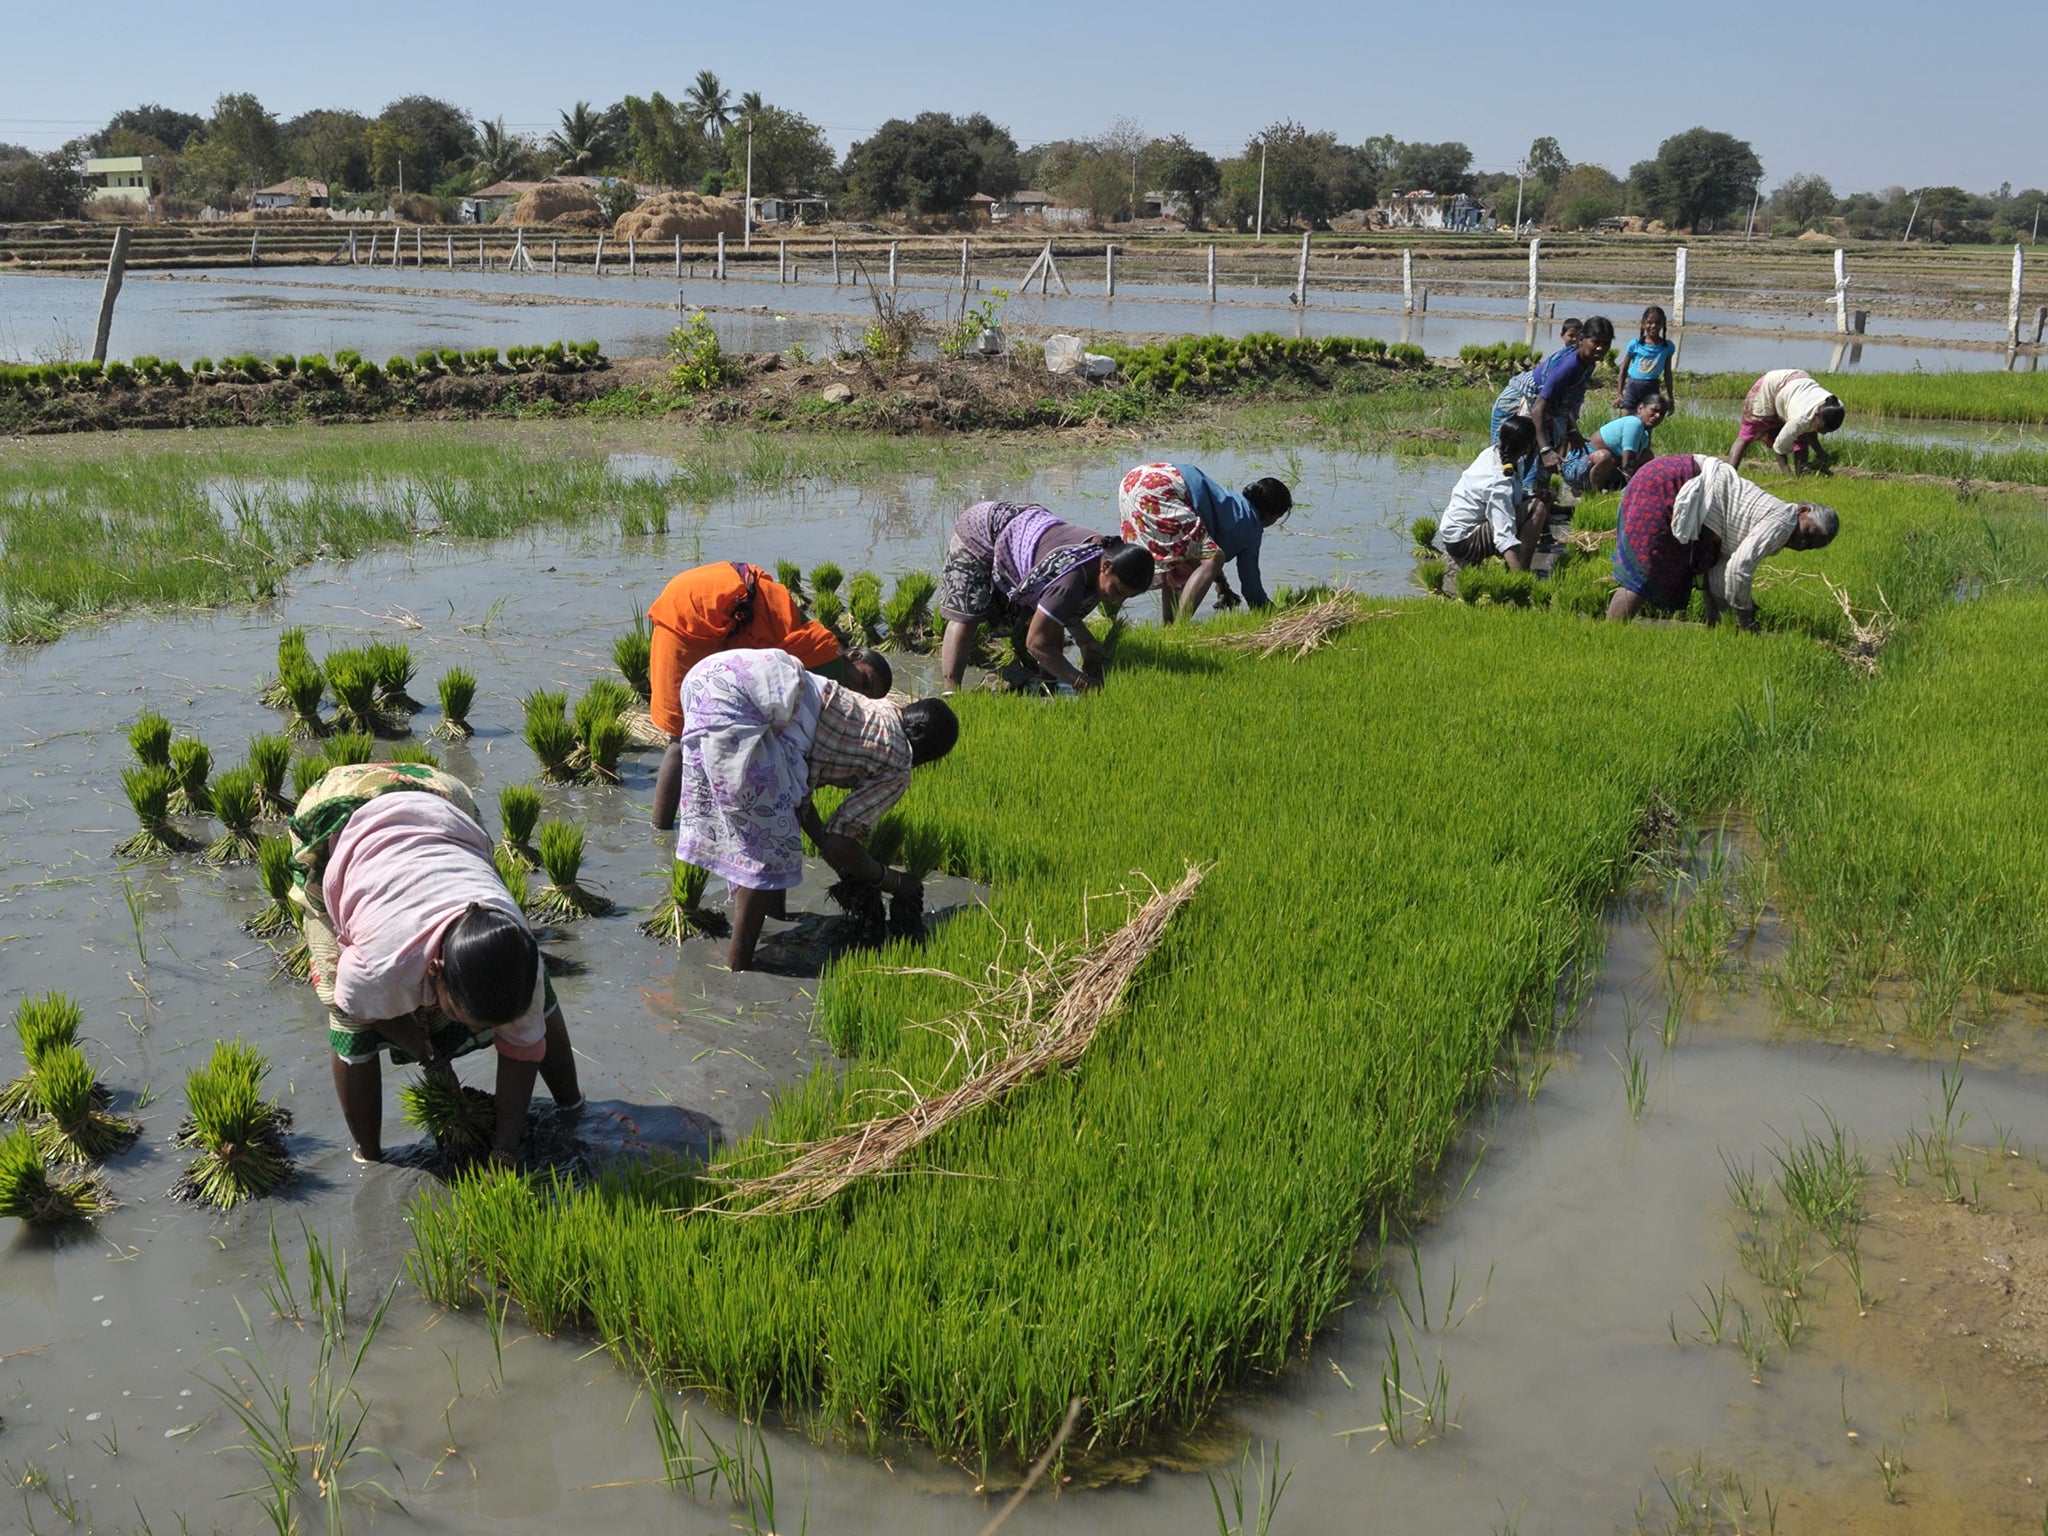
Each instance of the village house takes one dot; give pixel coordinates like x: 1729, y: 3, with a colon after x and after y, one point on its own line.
x: 1425, y: 210
x: 123, y: 179
x: 292, y: 192
x: 1028, y: 207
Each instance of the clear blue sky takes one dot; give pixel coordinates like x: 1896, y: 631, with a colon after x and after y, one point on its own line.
x: 1866, y: 94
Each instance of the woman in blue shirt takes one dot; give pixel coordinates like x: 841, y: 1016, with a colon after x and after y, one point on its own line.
x: 1551, y: 393
x: 1617, y: 450
x: 1646, y: 367
x: 1192, y: 526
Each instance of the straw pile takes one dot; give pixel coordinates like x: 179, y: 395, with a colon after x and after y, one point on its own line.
x: 1302, y: 630
x: 670, y: 214
x: 1085, y: 993
x: 563, y: 203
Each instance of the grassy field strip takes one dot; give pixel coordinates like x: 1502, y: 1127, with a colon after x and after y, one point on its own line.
x: 2006, y: 397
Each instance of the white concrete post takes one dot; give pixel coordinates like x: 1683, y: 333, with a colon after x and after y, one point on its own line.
x: 721, y: 255
x: 892, y: 263
x: 1109, y: 271
x: 632, y: 256
x: 781, y: 261
x: 1535, y: 270
x: 597, y: 262
x: 1212, y: 274
x: 1678, y: 290
x: 2012, y: 308
x: 1301, y: 275
x: 1407, y: 282
x: 1841, y: 293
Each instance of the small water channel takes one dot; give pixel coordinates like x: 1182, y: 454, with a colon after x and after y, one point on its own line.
x: 1576, y: 1232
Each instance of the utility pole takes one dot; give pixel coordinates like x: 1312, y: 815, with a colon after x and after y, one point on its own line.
x: 1260, y: 234
x: 401, y: 178
x: 2037, y: 225
x: 1912, y: 217
x: 747, y: 234
x: 1521, y: 171
x: 1754, y: 198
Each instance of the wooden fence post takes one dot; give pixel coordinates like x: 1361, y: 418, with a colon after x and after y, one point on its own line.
x: 117, y: 267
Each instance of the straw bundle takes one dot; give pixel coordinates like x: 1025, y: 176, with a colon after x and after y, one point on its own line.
x: 1302, y: 630
x: 669, y: 214
x: 1084, y: 998
x: 558, y: 202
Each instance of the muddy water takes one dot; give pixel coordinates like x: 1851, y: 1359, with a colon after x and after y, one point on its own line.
x: 378, y: 312
x: 1576, y: 1234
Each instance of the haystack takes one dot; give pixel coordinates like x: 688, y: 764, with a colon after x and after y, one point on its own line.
x: 561, y: 203
x: 673, y: 214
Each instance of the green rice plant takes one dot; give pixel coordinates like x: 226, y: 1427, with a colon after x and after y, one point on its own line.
x: 1491, y: 583
x: 412, y: 752
x: 270, y: 759
x: 304, y: 687
x: 683, y: 913
x: 632, y: 652
x: 149, y: 792
x: 551, y: 735
x: 239, y: 1133
x: 826, y: 577
x: 347, y: 748
x: 274, y: 871
x: 518, y: 812
x: 908, y: 612
x: 830, y: 610
x: 32, y: 1194
x: 41, y: 1023
x: 149, y: 738
x: 353, y: 679
x: 561, y: 855
x: 392, y: 665
x: 463, y: 1121
x: 235, y: 804
x: 1821, y: 1180
x: 291, y: 653
x: 1430, y: 574
x: 600, y: 749
x: 308, y: 771
x: 1424, y: 531
x: 75, y: 1125
x: 791, y: 575
x: 512, y: 870
x: 191, y: 762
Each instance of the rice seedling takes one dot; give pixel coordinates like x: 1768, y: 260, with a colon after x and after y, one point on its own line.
x: 353, y: 678
x: 512, y: 870
x: 308, y: 771
x: 347, y: 748
x: 601, y: 747
x: 826, y: 577
x: 191, y: 762
x: 1635, y: 1074
x: 601, y: 732
x: 1821, y: 1181
x: 1430, y: 574
x: 864, y: 607
x: 304, y: 686
x: 632, y: 653
x: 412, y: 752
x: 518, y: 812
x: 561, y: 855
x: 463, y: 1121
x: 149, y: 794
x: 908, y: 612
x: 274, y: 871
x: 551, y: 735
x: 392, y: 665
x: 291, y: 654
x: 1265, y: 1482
x: 683, y: 913
x: 75, y: 1125
x: 829, y: 609
x: 269, y: 759
x: 239, y: 1133
x: 32, y: 1194
x: 1424, y: 531
x: 149, y: 738
x: 41, y: 1024
x: 791, y: 575
x: 458, y: 692
x: 235, y: 804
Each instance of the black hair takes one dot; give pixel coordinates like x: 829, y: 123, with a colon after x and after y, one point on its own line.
x: 932, y: 727
x: 1656, y: 312
x: 1270, y: 498
x: 1600, y: 328
x: 1517, y: 438
x: 876, y: 663
x: 1831, y: 415
x: 1573, y: 324
x: 488, y: 959
x: 1130, y: 564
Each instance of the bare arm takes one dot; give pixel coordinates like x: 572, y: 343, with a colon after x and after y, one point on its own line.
x: 1046, y: 641
x: 848, y: 857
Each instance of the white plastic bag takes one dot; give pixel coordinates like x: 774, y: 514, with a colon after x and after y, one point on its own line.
x: 1095, y: 366
x: 1062, y: 353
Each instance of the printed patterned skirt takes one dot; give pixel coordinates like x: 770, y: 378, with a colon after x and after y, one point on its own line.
x: 1152, y: 506
x: 1648, y: 559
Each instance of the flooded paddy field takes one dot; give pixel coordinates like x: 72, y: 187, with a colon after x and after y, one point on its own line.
x: 1555, y: 1372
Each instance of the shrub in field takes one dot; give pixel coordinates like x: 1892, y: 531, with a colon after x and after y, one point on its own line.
x: 551, y: 735
x: 632, y: 653
x: 191, y: 762
x: 463, y: 1121
x: 74, y: 1124
x: 698, y: 361
x: 32, y: 1194
x: 149, y: 738
x: 518, y: 811
x: 458, y: 693
x: 274, y: 871
x: 908, y: 612
x: 682, y: 912
x: 235, y: 804
x: 561, y: 855
x: 239, y: 1133
x: 304, y: 686
x: 41, y: 1024
x: 270, y: 759
x: 148, y: 788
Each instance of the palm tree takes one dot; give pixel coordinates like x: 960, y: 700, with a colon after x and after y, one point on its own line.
x: 709, y: 106
x: 499, y: 155
x: 751, y: 106
x: 579, y: 145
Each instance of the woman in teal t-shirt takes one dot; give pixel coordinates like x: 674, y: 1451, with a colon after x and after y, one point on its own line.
x: 1617, y: 450
x: 1646, y: 366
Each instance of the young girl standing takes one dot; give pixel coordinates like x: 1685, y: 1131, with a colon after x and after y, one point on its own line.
x: 1646, y: 365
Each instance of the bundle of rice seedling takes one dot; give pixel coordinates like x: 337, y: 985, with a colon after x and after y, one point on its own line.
x: 75, y: 1124
x: 239, y: 1133
x: 683, y: 912
x: 1303, y: 629
x: 269, y: 759
x: 601, y: 749
x: 550, y: 735
x: 149, y: 789
x: 346, y: 748
x: 561, y: 855
x: 826, y: 577
x: 303, y: 687
x: 191, y: 762
x: 633, y: 652
x: 830, y: 611
x: 274, y: 870
x: 512, y: 870
x: 518, y: 811
x: 601, y: 733
x: 393, y: 667
x: 149, y: 738
x: 791, y: 575
x: 909, y: 612
x: 463, y: 1121
x: 1423, y: 530
x: 291, y: 655
x: 458, y: 692
x: 1084, y: 996
x: 308, y: 771
x: 30, y: 1193
x: 865, y: 912
x: 40, y: 1024
x: 234, y: 802
x: 864, y: 607
x: 412, y: 752
x: 352, y: 678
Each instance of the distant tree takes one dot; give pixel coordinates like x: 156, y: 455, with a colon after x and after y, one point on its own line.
x: 1802, y: 202
x: 47, y: 186
x: 709, y: 106
x: 162, y: 125
x: 1082, y: 174
x: 662, y: 142
x: 1445, y: 169
x: 1546, y: 160
x: 435, y: 139
x: 1698, y: 177
x: 1189, y: 174
x: 1125, y: 142
x: 932, y: 163
x: 1585, y: 195
x: 791, y: 153
x: 2015, y: 220
x: 582, y: 145
x: 329, y: 144
x: 243, y: 132
x: 1310, y: 177
x: 1947, y: 212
